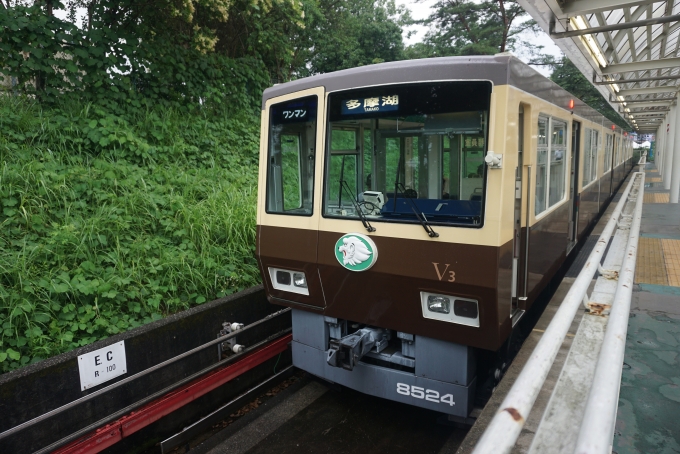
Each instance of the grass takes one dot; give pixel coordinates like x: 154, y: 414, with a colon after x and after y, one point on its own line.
x: 99, y: 236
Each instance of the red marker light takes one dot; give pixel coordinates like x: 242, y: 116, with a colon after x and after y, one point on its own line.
x: 571, y: 103
x: 613, y: 127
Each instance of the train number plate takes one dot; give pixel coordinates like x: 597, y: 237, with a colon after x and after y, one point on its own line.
x: 428, y: 394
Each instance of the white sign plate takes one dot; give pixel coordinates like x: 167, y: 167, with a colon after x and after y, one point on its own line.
x: 102, y: 365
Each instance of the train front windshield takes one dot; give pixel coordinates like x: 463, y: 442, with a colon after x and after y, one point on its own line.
x: 393, y: 150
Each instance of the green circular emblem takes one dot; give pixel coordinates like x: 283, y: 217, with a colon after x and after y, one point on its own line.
x: 356, y: 252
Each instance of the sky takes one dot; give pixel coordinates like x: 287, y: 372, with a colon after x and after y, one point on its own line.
x: 422, y: 8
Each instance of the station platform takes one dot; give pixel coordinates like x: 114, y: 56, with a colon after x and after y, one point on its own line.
x: 649, y: 402
x: 649, y: 399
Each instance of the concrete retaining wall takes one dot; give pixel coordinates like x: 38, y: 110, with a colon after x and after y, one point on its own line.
x: 38, y: 388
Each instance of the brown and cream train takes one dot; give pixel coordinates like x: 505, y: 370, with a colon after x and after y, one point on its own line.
x: 410, y: 212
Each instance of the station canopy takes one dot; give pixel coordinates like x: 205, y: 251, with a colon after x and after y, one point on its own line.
x: 628, y: 49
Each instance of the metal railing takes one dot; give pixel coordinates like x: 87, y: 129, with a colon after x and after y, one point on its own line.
x: 58, y: 410
x: 597, y: 428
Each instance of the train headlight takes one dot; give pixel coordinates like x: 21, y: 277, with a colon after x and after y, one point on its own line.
x: 439, y: 303
x: 439, y: 307
x: 300, y: 280
x: 289, y: 281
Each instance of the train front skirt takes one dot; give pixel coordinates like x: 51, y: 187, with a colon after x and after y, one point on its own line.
x: 442, y: 376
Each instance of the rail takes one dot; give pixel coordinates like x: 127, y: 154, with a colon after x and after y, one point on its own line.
x: 126, y: 380
x: 596, y: 430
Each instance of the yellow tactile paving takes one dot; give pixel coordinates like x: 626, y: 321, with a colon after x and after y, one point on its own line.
x: 654, y: 180
x: 671, y: 255
x: 656, y: 197
x: 650, y: 267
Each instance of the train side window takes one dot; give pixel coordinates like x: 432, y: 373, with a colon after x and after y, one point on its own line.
x: 550, y: 167
x: 541, y: 168
x: 590, y: 156
x: 558, y: 150
x: 608, y: 152
x: 290, y: 169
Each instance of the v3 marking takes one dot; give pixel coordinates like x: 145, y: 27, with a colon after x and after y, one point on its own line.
x: 441, y: 274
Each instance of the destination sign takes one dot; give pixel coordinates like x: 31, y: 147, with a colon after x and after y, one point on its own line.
x: 369, y: 105
x: 298, y: 111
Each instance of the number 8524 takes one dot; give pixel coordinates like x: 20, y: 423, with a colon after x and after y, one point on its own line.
x: 421, y: 393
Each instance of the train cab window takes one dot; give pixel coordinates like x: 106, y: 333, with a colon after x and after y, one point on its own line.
x: 399, y: 148
x: 550, y: 166
x: 344, y: 166
x: 591, y: 141
x: 290, y: 169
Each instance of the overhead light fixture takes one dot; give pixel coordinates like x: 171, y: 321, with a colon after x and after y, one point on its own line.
x: 580, y: 24
x: 616, y: 88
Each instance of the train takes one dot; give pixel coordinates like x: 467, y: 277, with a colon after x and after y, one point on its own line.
x: 411, y: 212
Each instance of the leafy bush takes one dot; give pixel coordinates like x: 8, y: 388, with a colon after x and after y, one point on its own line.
x: 107, y: 222
x: 120, y: 61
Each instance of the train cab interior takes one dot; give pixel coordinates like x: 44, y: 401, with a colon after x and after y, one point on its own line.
x: 393, y: 154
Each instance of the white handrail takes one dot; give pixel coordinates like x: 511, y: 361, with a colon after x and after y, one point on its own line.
x: 501, y: 434
x: 597, y: 428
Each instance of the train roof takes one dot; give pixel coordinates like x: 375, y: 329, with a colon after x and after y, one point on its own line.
x: 501, y: 69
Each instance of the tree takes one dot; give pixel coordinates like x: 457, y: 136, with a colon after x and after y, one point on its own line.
x: 566, y: 75
x: 342, y: 34
x: 463, y: 27
x: 189, y: 52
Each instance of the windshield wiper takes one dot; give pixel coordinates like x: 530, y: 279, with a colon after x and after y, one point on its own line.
x: 355, y: 202
x: 423, y: 220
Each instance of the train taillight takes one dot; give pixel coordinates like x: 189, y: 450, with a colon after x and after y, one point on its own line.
x: 289, y: 281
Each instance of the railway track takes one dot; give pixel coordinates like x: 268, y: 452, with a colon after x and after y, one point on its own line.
x: 278, y: 408
x: 311, y: 416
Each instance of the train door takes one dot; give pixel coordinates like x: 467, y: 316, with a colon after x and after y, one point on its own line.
x: 519, y: 254
x: 573, y: 186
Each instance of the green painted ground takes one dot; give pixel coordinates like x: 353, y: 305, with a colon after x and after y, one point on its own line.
x: 649, y: 403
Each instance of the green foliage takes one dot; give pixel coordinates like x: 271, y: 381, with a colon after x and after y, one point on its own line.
x: 567, y: 76
x: 465, y: 27
x: 346, y: 34
x: 117, y: 61
x: 92, y: 244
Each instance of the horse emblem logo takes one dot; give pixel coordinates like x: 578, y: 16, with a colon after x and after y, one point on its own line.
x: 356, y: 252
